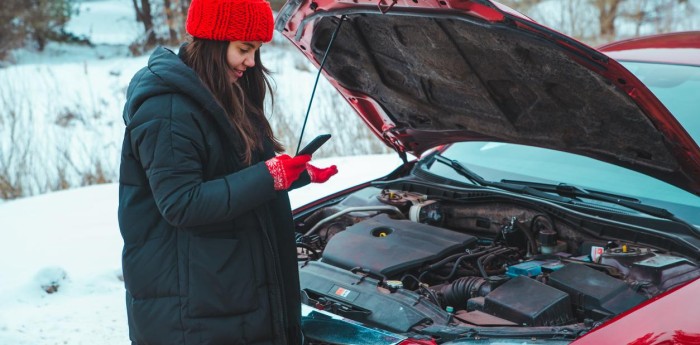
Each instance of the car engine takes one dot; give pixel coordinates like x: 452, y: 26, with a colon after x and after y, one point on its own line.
x: 437, y: 265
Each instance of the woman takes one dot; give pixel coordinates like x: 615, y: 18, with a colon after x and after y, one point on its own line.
x: 209, y: 254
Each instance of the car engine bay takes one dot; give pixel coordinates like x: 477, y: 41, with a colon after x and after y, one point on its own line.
x: 414, y: 261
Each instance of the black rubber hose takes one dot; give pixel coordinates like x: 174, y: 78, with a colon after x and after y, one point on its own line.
x: 457, y: 293
x: 455, y: 267
x: 459, y: 272
x: 460, y: 255
x: 455, y: 257
x: 482, y: 261
x: 532, y: 242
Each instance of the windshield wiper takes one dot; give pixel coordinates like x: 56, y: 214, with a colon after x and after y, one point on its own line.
x: 564, y: 193
x: 571, y: 191
x: 511, y: 187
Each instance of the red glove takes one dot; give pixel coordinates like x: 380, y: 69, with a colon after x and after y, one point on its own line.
x: 320, y: 175
x: 285, y: 170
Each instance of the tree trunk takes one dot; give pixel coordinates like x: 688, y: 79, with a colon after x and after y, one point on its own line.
x: 607, y: 12
x: 143, y: 14
x: 169, y: 18
x: 137, y: 11
x: 185, y: 6
x: 148, y: 23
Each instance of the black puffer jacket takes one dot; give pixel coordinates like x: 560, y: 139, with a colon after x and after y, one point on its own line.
x: 209, y: 254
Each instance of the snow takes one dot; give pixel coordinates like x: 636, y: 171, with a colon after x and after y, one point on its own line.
x: 106, y: 22
x: 70, y: 239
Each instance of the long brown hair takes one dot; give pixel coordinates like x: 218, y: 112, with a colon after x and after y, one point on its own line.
x: 243, y: 101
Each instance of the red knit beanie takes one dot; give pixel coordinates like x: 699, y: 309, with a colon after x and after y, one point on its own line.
x: 230, y: 20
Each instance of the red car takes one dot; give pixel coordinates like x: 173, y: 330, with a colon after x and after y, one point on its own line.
x: 669, y: 65
x: 555, y: 199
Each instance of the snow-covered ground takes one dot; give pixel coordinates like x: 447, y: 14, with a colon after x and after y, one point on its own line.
x: 70, y: 239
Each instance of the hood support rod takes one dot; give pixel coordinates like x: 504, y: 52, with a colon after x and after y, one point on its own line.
x: 320, y: 68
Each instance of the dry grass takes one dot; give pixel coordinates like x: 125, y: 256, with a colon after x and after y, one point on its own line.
x: 40, y: 154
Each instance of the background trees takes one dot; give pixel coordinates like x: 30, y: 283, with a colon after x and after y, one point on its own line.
x: 600, y: 21
x: 24, y: 22
x: 36, y: 22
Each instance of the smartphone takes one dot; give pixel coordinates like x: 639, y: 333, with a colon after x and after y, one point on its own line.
x: 311, y: 147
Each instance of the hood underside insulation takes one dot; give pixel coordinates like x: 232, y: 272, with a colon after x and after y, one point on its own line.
x: 488, y: 80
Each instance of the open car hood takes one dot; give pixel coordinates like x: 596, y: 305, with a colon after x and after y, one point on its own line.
x: 425, y: 73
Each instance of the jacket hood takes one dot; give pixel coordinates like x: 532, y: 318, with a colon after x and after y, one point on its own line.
x: 165, y: 73
x: 423, y: 74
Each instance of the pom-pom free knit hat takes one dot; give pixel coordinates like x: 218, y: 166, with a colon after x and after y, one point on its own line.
x: 230, y: 20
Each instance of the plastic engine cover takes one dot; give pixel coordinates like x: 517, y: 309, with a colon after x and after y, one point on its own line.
x: 397, y: 311
x: 528, y: 302
x: 594, y: 291
x: 387, y: 247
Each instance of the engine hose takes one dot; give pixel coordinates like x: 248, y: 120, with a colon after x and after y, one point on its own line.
x: 480, y: 264
x: 456, y: 266
x: 460, y: 255
x: 482, y: 261
x: 531, y: 241
x: 459, y: 272
x: 457, y: 293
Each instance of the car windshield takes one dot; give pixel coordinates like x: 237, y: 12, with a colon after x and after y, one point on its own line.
x: 678, y: 87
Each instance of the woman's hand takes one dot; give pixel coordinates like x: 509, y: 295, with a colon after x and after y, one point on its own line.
x: 320, y: 175
x: 285, y: 170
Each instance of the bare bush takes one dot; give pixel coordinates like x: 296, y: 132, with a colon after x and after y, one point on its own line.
x: 67, y: 118
x: 59, y: 181
x: 35, y: 21
x: 95, y: 174
x: 49, y: 147
x: 11, y: 33
x: 46, y: 20
x: 15, y: 143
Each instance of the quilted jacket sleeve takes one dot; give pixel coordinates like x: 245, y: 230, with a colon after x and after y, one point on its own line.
x: 171, y: 150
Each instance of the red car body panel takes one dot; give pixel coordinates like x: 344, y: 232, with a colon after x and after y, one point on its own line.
x: 681, y: 48
x: 671, y: 318
x: 298, y: 28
